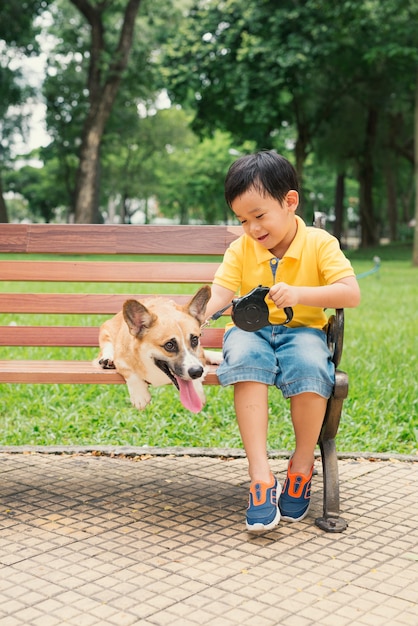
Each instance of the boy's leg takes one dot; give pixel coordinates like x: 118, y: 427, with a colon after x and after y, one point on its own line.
x: 307, y: 411
x: 251, y: 407
x: 306, y: 376
x: 249, y: 365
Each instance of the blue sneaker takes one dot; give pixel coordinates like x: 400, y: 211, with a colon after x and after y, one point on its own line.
x: 296, y: 495
x: 263, y: 511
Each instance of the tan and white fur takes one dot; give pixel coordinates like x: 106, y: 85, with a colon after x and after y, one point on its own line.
x: 157, y: 342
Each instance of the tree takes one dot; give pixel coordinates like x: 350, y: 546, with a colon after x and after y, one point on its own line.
x: 192, y: 178
x: 18, y: 34
x: 255, y: 69
x: 395, y: 48
x: 225, y: 63
x: 108, y: 61
x: 38, y: 187
x: 12, y: 96
x: 415, y: 251
x: 136, y: 157
x: 95, y: 86
x: 252, y: 68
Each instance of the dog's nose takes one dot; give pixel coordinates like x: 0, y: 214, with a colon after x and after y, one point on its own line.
x: 196, y: 371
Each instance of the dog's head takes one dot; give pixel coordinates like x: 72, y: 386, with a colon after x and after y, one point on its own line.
x: 169, y: 339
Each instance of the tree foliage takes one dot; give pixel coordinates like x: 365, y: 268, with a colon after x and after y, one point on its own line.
x: 101, y: 63
x: 18, y: 38
x: 337, y: 73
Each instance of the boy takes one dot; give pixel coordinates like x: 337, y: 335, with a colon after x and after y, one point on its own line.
x: 306, y: 270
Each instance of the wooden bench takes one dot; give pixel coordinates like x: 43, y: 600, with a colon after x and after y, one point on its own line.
x: 71, y: 251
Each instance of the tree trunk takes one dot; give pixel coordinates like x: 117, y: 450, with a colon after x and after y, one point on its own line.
x: 184, y: 214
x: 87, y: 191
x: 339, y: 206
x: 125, y: 218
x: 3, y: 207
x: 392, y: 198
x: 300, y: 155
x: 369, y: 234
x: 415, y: 250
x: 102, y: 94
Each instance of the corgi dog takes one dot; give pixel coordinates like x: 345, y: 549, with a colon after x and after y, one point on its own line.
x: 157, y: 342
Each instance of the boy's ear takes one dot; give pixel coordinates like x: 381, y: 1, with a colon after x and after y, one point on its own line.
x: 292, y: 200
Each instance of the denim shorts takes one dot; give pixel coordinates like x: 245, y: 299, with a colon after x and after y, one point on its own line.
x: 296, y: 360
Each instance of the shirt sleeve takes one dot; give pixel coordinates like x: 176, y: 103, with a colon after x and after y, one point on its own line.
x: 229, y: 273
x: 333, y: 263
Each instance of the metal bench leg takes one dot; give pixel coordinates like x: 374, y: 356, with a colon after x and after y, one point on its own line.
x: 331, y: 521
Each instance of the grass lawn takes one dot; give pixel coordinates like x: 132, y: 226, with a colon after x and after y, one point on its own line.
x: 380, y: 356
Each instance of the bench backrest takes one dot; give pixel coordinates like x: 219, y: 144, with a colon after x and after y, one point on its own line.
x: 79, y: 245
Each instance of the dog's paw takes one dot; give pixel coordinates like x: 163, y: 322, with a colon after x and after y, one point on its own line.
x: 140, y: 402
x: 107, y: 364
x: 138, y: 392
x: 212, y: 357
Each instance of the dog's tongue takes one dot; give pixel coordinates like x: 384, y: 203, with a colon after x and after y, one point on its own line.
x: 188, y: 395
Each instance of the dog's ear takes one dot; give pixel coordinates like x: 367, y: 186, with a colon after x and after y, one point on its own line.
x: 197, y: 305
x: 137, y: 317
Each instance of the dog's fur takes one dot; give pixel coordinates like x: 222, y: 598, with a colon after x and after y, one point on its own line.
x: 156, y: 342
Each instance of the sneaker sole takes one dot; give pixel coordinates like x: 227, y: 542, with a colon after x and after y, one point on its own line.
x: 259, y: 528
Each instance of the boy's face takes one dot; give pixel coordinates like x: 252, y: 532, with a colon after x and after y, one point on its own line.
x: 266, y: 220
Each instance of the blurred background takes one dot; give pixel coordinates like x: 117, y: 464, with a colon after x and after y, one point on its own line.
x: 131, y: 111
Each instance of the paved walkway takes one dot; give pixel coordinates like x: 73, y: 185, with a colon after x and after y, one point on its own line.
x: 160, y: 540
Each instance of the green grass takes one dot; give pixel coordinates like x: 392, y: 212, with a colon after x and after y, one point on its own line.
x: 380, y: 414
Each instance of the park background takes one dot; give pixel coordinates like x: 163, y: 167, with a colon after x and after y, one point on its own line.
x: 144, y: 105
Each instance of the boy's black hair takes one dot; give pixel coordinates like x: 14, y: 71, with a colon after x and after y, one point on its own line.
x: 269, y: 173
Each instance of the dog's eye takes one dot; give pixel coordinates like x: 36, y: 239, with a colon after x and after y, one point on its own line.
x: 171, y: 346
x: 194, y: 341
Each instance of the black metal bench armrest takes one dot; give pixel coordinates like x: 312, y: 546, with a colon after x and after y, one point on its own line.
x: 335, y: 335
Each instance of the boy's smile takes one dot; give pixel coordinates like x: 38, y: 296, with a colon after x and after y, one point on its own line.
x: 270, y: 222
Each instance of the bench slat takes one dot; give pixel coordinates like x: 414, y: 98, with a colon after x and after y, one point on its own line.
x: 67, y: 372
x: 116, y: 239
x: 104, y: 272
x: 81, y: 303
x: 77, y: 336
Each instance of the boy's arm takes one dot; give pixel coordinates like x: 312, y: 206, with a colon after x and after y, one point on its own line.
x: 344, y: 293
x: 219, y: 299
x: 221, y: 296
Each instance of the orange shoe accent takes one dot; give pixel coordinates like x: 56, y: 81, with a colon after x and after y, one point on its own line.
x: 263, y: 511
x: 296, y: 495
x: 258, y: 490
x: 296, y: 483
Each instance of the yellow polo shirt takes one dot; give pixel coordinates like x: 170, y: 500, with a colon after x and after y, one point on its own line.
x: 314, y: 258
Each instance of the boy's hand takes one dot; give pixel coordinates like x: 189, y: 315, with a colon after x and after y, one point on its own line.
x: 343, y: 293
x: 284, y: 295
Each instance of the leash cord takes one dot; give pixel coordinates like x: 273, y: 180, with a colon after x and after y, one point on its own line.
x: 374, y: 269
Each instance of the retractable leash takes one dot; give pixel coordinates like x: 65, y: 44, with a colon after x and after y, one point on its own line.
x: 250, y: 312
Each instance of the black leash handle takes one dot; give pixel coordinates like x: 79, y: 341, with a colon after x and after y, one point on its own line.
x: 289, y: 315
x: 250, y: 312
